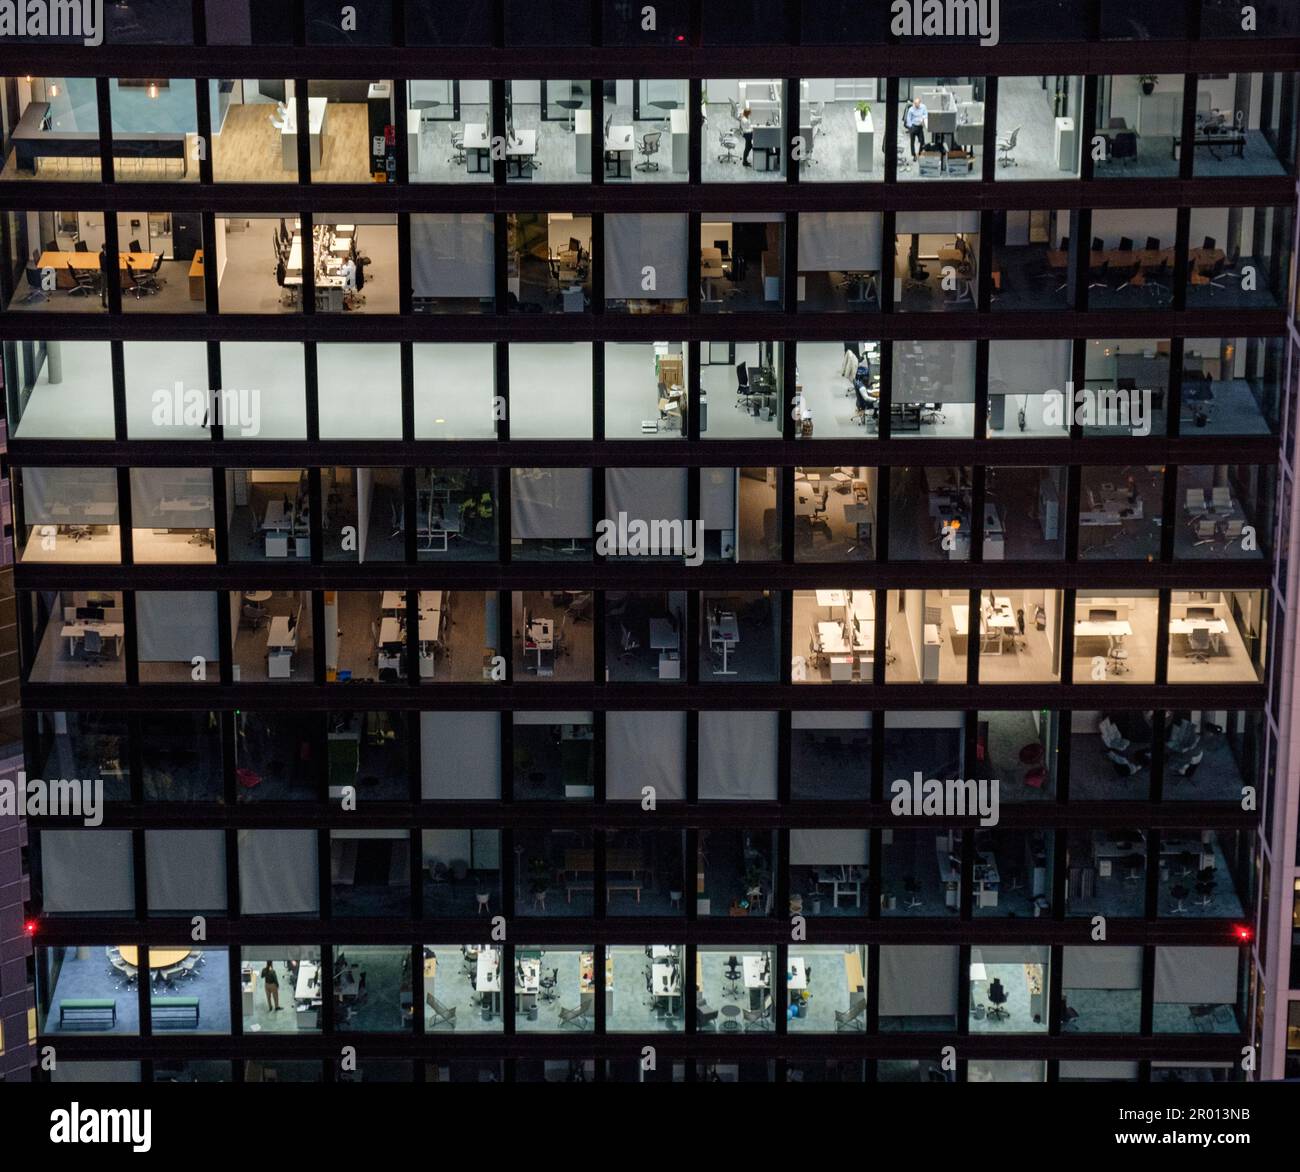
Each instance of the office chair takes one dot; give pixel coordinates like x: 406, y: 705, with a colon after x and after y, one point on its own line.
x: 997, y: 998
x: 50, y: 246
x: 1210, y: 244
x: 1098, y: 245
x: 1188, y: 771
x: 1198, y: 645
x: 135, y: 285
x: 727, y: 141
x: 759, y: 1019
x: 1180, y: 893
x: 34, y: 284
x: 1006, y: 146
x: 912, y: 888
x: 731, y: 977
x: 1098, y: 276
x: 1068, y: 1015
x: 548, y: 987
x: 81, y: 246
x: 918, y: 276
x: 85, y: 283
x: 457, y: 146
x: 743, y: 392
x: 92, y: 648
x: 648, y: 146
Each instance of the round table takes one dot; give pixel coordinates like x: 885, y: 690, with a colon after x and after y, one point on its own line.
x: 731, y: 1012
x: 159, y: 958
x: 257, y: 595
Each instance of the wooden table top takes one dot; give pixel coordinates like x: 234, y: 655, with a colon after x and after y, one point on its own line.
x: 159, y: 958
x: 90, y: 260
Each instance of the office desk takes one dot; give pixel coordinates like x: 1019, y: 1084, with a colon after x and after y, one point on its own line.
x: 667, y: 642
x: 665, y: 981
x: 196, y: 276
x: 276, y: 517
x: 1113, y: 629
x: 768, y: 139
x: 619, y: 145
x: 88, y: 262
x: 1233, y: 139
x: 1217, y: 628
x: 520, y: 151
x: 994, y: 535
x: 278, y: 636
x: 679, y: 124
x: 796, y: 974
x: 73, y: 632
x: 289, y: 135
x: 853, y: 972
x: 757, y: 971
x: 845, y: 882
x: 487, y: 978
x: 725, y: 633
x: 540, y: 637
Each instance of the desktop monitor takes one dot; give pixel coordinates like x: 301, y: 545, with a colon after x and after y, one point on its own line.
x: 90, y: 614
x: 1103, y: 616
x: 575, y: 245
x: 393, y: 648
x: 1200, y: 612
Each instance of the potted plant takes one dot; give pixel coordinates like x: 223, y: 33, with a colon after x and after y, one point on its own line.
x: 863, y: 109
x: 1148, y: 82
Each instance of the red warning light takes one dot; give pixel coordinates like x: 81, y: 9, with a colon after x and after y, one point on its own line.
x: 30, y: 927
x: 1244, y: 933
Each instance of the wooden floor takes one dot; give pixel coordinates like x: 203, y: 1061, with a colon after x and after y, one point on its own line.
x: 248, y: 149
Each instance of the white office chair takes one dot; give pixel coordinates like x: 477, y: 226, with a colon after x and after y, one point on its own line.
x: 1005, y: 148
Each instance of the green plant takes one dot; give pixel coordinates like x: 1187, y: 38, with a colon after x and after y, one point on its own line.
x: 1148, y: 81
x: 863, y: 109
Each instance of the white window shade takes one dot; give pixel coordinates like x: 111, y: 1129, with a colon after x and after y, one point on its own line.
x: 635, y: 242
x: 446, y: 845
x: 552, y: 718
x: 1100, y: 1071
x: 645, y: 494
x: 1029, y: 368
x: 460, y: 755
x: 718, y: 497
x: 1196, y: 976
x: 846, y: 848
x: 839, y: 241
x: 278, y: 872
x: 173, y: 626
x: 547, y: 503
x: 645, y: 748
x: 918, y: 980
x: 186, y: 870
x: 738, y: 755
x: 69, y: 496
x: 171, y: 498
x: 936, y: 222
x: 451, y: 255
x: 87, y: 871
x: 1102, y: 968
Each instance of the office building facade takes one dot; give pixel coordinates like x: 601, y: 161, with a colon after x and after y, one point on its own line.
x: 498, y: 573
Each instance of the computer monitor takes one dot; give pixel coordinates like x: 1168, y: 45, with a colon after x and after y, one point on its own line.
x: 1200, y: 612
x: 90, y: 614
x: 392, y: 648
x: 1103, y: 616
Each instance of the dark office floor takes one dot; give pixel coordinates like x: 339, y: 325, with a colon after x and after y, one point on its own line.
x: 929, y: 296
x: 830, y: 765
x: 830, y: 293
x: 1027, y: 283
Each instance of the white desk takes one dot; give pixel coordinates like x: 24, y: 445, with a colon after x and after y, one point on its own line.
x: 73, y: 632
x: 520, y: 150
x: 796, y: 974
x: 725, y: 632
x: 487, y: 977
x: 755, y: 974
x: 289, y: 135
x: 679, y: 126
x: 866, y: 136
x: 1111, y: 628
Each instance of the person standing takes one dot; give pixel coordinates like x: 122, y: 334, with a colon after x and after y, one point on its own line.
x: 747, y: 130
x: 916, y: 120
x: 271, y: 984
x: 103, y: 275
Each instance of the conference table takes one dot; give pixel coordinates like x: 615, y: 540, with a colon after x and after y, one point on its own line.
x: 88, y: 262
x: 159, y: 958
x: 106, y: 631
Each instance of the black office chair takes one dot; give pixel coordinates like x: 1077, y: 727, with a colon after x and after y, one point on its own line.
x: 92, y: 648
x: 997, y: 1000
x: 84, y: 283
x: 731, y: 976
x: 50, y: 246
x: 1125, y: 244
x: 548, y: 987
x: 134, y: 284
x: 743, y: 391
x: 1210, y: 244
x: 1153, y: 244
x: 36, y: 293
x: 648, y: 146
x: 81, y: 246
x: 1098, y: 245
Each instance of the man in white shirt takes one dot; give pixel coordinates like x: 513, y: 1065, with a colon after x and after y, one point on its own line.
x: 348, y: 272
x: 916, y: 120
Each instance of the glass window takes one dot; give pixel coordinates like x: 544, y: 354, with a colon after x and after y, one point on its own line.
x: 462, y: 988
x: 176, y: 636
x: 341, y: 370
x: 67, y: 515
x: 456, y: 514
x: 741, y: 262
x: 828, y: 872
x: 739, y: 632
x: 1245, y: 123
x: 84, y: 873
x: 59, y: 390
x: 833, y: 636
x: 452, y: 263
x: 646, y: 390
x: 1203, y: 873
x: 835, y: 112
x: 278, y: 873
x: 1023, y: 513
x: 1101, y: 990
x: 554, y: 756
x: 55, y: 269
x: 247, y: 280
x: 743, y: 137
x: 1013, y: 873
x: 1126, y: 271
x: 748, y: 376
x: 550, y: 390
x: 941, y: 127
x: 911, y: 884
x: 278, y: 977
x: 929, y: 513
x: 46, y: 107
x: 555, y: 865
x: 1034, y: 375
x: 460, y: 758
x: 1114, y: 640
x: 735, y: 874
x: 644, y: 631
x: 835, y: 513
x: 1226, y: 510
x: 1031, y: 260
x: 927, y: 636
x: 933, y: 393
x: 1110, y: 758
x: 1211, y: 755
x: 548, y: 128
x: 1022, y: 749
x: 85, y: 747
x: 1040, y: 127
x: 455, y: 390
x: 272, y: 637
x: 1217, y: 635
x: 80, y: 637
x: 1198, y: 991
x: 1008, y: 989
x: 549, y: 262
x: 241, y: 22
x: 181, y: 757
x: 167, y: 395
x: 67, y: 977
x: 1139, y: 116
x: 370, y: 870
x: 825, y: 990
x: 1142, y: 20
x: 1238, y: 258
x: 468, y: 22
x: 372, y: 988
x: 830, y: 756
x: 550, y: 514
x: 647, y: 126
x: 918, y: 991
x: 839, y: 261
x: 1019, y: 634
x: 1231, y: 386
x: 155, y: 129
x: 1126, y: 383
x: 661, y: 969
x: 369, y: 22
x: 553, y: 635
x: 556, y: 988
x: 268, y: 513
x: 625, y: 23
x: 267, y: 381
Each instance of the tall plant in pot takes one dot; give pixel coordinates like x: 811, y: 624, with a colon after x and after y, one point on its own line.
x: 1148, y: 83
